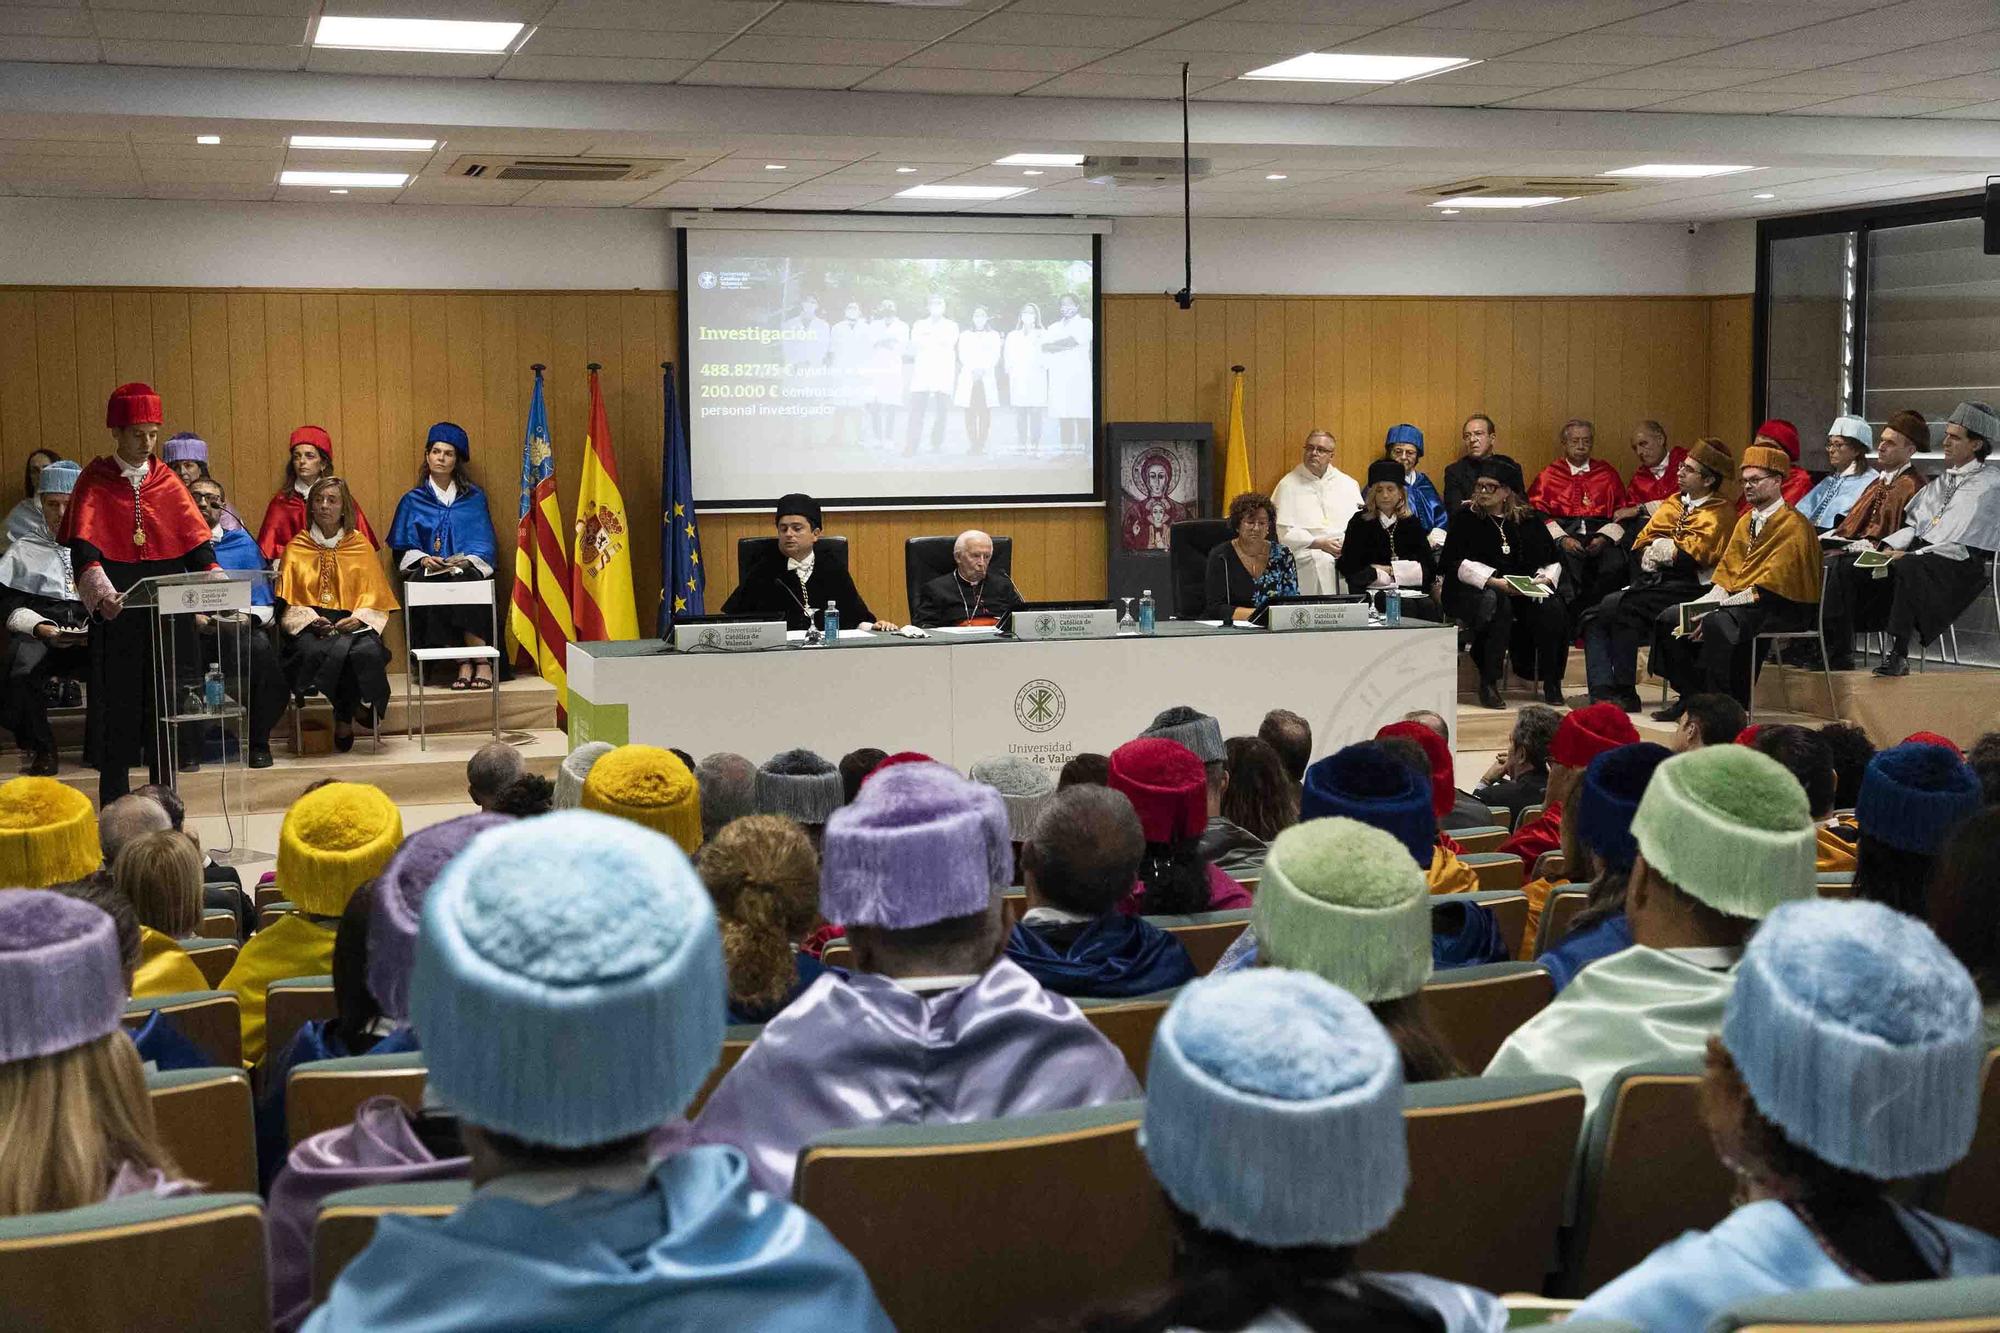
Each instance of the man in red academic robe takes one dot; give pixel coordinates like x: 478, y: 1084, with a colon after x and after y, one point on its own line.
x: 1579, y: 497
x: 1656, y: 479
x: 130, y: 518
x: 1782, y: 434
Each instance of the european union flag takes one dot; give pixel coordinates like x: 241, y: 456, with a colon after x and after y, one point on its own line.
x: 681, y: 577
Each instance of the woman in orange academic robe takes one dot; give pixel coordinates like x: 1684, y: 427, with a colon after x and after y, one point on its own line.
x: 335, y: 601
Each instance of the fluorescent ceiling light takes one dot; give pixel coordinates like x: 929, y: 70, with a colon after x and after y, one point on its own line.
x: 1502, y: 200
x: 1345, y: 67
x: 1763, y: 196
x: 1673, y: 171
x: 336, y: 191
x: 1275, y: 176
x: 962, y: 192
x: 1034, y: 171
x: 1448, y: 212
x: 208, y: 138
x: 1040, y: 160
x: 362, y: 144
x: 774, y: 166
x: 372, y: 34
x: 906, y: 171
x: 381, y: 180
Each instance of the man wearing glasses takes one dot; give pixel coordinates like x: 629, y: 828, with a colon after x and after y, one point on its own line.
x: 1314, y: 501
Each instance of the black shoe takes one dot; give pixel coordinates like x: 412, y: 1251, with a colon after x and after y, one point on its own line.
x: 1897, y: 663
x: 189, y: 764
x: 43, y: 765
x: 260, y: 756
x: 1673, y: 712
x: 72, y: 694
x: 1489, y: 696
x: 1629, y: 701
x: 343, y: 743
x: 1552, y: 692
x: 1840, y: 662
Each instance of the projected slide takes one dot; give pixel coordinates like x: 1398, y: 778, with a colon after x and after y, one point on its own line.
x: 890, y: 365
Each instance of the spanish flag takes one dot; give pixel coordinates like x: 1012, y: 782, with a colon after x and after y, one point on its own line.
x: 538, y: 619
x: 1236, y: 452
x: 601, y: 561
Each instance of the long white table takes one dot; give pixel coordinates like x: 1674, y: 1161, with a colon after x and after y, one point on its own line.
x: 961, y: 698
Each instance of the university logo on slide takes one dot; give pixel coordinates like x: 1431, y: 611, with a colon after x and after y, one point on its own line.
x: 706, y: 280
x: 1039, y: 705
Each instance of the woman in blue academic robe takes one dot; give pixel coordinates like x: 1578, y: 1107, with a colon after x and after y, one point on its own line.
x: 1405, y: 445
x: 443, y: 533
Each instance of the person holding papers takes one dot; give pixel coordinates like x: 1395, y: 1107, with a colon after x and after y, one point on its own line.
x: 1500, y: 570
x: 1767, y: 580
x: 1386, y: 545
x: 1250, y: 568
x: 792, y: 584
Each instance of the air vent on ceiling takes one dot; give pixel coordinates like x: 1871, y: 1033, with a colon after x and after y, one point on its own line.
x: 1569, y: 187
x: 509, y: 168
x: 1140, y: 172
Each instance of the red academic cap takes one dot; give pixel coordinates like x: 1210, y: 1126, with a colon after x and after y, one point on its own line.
x: 132, y: 404
x: 315, y: 436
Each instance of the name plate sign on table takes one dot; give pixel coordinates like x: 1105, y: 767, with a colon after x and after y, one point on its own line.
x: 729, y: 636
x: 966, y: 697
x: 205, y: 597
x: 1097, y: 622
x: 1317, y: 615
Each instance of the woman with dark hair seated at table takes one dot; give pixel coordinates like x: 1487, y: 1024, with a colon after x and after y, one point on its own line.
x: 1385, y: 546
x: 1251, y: 567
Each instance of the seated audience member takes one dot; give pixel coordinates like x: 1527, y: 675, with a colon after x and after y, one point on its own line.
x: 1258, y: 796
x: 528, y: 795
x: 855, y: 766
x: 1676, y: 553
x: 973, y: 593
x: 161, y: 1045
x: 237, y: 636
x: 1723, y: 838
x: 1292, y: 737
x: 763, y: 876
x: 1168, y: 788
x: 1809, y: 760
x: 648, y: 786
x: 1250, y: 568
x: 1578, y: 497
x: 1274, y: 1124
x: 1984, y: 760
x: 334, y: 839
x: 47, y: 833
x: 1829, y: 995
x: 1085, y: 770
x: 336, y: 603
x: 1708, y: 719
x: 791, y: 584
x: 1233, y: 850
x: 23, y: 513
x: 1936, y: 567
x: 48, y: 631
x: 1848, y: 441
x: 607, y: 1000
x: 1878, y: 510
x: 801, y: 786
x: 1479, y: 435
x: 490, y: 769
x: 728, y: 784
x: 222, y: 886
x: 1656, y: 479
x: 79, y: 1122
x: 575, y: 771
x: 1782, y: 436
x: 1404, y: 446
x: 1499, y: 538
x: 160, y: 875
x: 1418, y: 747
x: 933, y: 1025
x: 1581, y: 736
x: 1386, y: 544
x: 1599, y: 849
x: 1912, y: 796
x: 1963, y: 907
x: 1342, y: 900
x: 1851, y: 752
x: 1025, y: 788
x: 1519, y: 778
x: 1767, y: 580
x: 1467, y: 810
x: 1078, y: 865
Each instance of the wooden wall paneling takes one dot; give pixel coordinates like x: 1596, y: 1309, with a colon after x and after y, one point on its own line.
x: 55, y: 370
x: 96, y: 369
x: 257, y: 441
x: 20, y: 388
x: 173, y: 371
x: 1302, y: 377
x: 397, y: 430
x: 1182, y: 364
x: 568, y: 396
x: 208, y: 406
x: 132, y: 333
x: 1730, y: 370
x: 285, y: 373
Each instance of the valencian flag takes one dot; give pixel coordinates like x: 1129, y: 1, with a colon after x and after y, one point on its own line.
x: 601, y: 563
x: 1236, y: 453
x: 681, y: 579
x: 538, y: 621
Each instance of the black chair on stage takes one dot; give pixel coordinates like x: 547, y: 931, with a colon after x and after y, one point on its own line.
x: 749, y: 550
x: 1188, y: 545
x: 924, y: 558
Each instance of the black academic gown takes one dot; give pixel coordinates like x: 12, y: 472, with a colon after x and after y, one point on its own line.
x: 771, y: 591
x: 1536, y: 632
x: 1368, y: 544
x: 949, y: 600
x: 27, y: 660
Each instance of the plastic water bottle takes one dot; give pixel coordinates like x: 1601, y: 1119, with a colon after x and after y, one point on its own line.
x: 1146, y: 612
x: 1392, y: 607
x: 211, y: 688
x: 832, y: 620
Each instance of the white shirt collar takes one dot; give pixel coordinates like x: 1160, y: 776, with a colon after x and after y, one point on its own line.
x: 1968, y: 469
x: 445, y: 496
x: 1576, y: 471
x: 1687, y: 504
x: 1386, y: 520
x: 135, y: 475
x: 1659, y: 469
x: 302, y: 487
x: 1887, y: 475
x: 1769, y: 509
x: 933, y: 985
x: 215, y: 533
x: 803, y: 568
x: 558, y: 1183
x: 1715, y: 958
x: 328, y: 542
x: 1054, y: 916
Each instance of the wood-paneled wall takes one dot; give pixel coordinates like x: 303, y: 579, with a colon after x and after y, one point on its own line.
x: 241, y: 368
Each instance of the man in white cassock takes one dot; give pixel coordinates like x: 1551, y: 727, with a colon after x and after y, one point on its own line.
x: 1314, y: 501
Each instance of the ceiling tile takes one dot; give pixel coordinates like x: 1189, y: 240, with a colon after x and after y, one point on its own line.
x: 1537, y: 15
x: 750, y: 171
x: 1838, y: 81
x: 803, y: 19
x: 1420, y: 93
x: 66, y: 189
x: 214, y: 190
x: 1977, y: 87
x: 1377, y: 12
x: 745, y: 74
x: 1981, y: 111
x: 42, y: 22
x: 1882, y: 104
x: 1678, y: 78
x: 623, y: 44
x: 67, y: 50
x: 1731, y: 101
x: 588, y: 194
x: 1147, y: 60
x: 664, y: 15
x: 158, y: 172
x: 1973, y: 55
x: 1075, y: 29
x: 1618, y: 50
x: 1471, y: 43
x: 1780, y: 53
x: 1913, y: 22
x: 242, y: 29
x: 264, y: 7
x: 1180, y: 10
x: 423, y: 64
x: 712, y: 195
x: 101, y: 148
x: 458, y: 190
x: 759, y: 49
x: 982, y: 55
x: 596, y: 69
x: 1583, y: 99
x: 961, y: 82
x: 203, y: 55
x: 1730, y: 21
x: 1273, y: 39
x: 825, y: 196
x: 1518, y: 74
x: 1089, y: 83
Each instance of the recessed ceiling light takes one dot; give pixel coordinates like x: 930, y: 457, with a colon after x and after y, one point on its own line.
x: 1671, y: 171
x: 1344, y: 67
x: 1040, y: 160
x: 1501, y: 201
x: 1276, y: 176
x: 964, y: 193
x: 362, y: 144
x: 208, y: 138
x: 336, y: 191
x: 378, y: 180
x: 1034, y: 171
x: 373, y: 34
x: 1447, y: 212
x: 906, y: 171
x: 1763, y: 196
x: 774, y: 166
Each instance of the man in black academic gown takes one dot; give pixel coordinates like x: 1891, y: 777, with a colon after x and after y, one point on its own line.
x: 974, y: 593
x: 783, y: 584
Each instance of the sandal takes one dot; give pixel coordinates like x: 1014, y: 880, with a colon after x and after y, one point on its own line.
x: 461, y: 682
x: 480, y: 682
